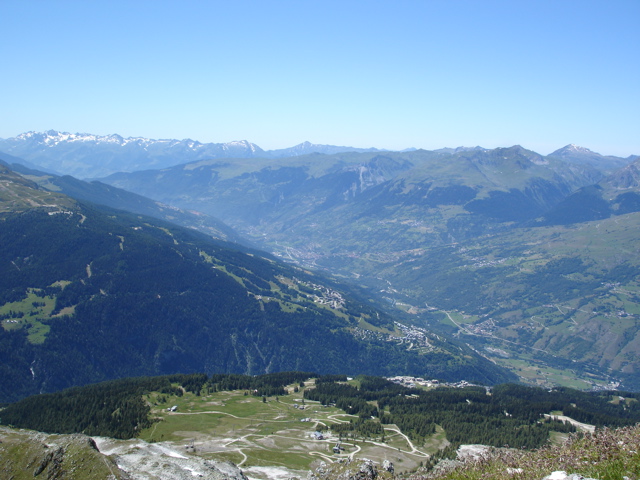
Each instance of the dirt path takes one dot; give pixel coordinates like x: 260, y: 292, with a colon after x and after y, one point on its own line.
x: 585, y: 427
x: 413, y: 451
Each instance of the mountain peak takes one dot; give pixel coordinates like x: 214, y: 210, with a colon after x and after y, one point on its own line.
x: 572, y: 149
x: 243, y: 145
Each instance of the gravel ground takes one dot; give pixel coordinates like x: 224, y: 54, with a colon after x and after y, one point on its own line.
x: 152, y: 461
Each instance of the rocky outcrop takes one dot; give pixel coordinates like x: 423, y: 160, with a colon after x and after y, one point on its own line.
x: 25, y: 454
x: 562, y: 475
x: 361, y: 469
x: 157, y: 461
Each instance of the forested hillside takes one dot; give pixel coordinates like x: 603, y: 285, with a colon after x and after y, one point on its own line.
x: 506, y: 414
x: 91, y: 294
x: 107, y: 195
x: 117, y: 409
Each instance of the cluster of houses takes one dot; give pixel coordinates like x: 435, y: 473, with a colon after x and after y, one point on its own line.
x: 414, y: 335
x: 364, y: 334
x: 480, y: 262
x: 484, y: 328
x: 412, y: 382
x: 325, y: 295
x: 59, y: 212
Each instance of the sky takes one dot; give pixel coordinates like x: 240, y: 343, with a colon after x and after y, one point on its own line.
x: 386, y: 74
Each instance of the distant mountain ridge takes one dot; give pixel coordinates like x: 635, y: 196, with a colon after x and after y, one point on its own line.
x: 576, y: 154
x: 305, y: 148
x: 86, y: 155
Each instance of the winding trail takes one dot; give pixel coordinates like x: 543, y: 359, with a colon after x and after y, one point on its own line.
x: 337, y: 418
x: 414, y: 450
x: 229, y: 415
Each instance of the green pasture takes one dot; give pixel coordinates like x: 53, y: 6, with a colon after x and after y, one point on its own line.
x: 34, y: 310
x: 242, y: 428
x: 546, y: 376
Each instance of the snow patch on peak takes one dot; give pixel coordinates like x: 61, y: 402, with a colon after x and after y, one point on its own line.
x: 576, y: 148
x: 244, y: 144
x: 572, y: 149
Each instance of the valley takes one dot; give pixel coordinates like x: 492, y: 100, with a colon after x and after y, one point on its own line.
x: 91, y: 293
x: 320, y: 240
x: 496, y: 236
x: 528, y: 261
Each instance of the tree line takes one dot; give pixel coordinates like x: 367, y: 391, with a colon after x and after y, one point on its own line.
x: 507, y: 414
x: 117, y: 409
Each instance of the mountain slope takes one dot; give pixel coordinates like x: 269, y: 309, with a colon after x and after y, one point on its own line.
x: 107, y: 195
x: 359, y: 203
x: 454, y: 231
x: 616, y: 194
x: 18, y: 194
x: 90, y: 294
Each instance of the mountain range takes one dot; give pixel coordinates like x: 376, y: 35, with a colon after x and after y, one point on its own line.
x: 477, y: 235
x: 529, y: 261
x: 85, y: 155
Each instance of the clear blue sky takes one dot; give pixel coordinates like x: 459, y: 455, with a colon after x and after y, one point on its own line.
x: 387, y: 74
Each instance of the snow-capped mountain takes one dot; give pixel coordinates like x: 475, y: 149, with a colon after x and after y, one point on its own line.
x: 85, y: 155
x: 572, y: 149
x: 581, y: 155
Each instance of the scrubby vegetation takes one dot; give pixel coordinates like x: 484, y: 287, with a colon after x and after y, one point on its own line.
x: 607, y: 454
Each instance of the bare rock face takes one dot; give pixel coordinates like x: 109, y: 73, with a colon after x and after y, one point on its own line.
x: 152, y: 467
x: 157, y: 461
x: 52, y: 462
x: 29, y: 455
x: 562, y: 475
x: 363, y: 469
